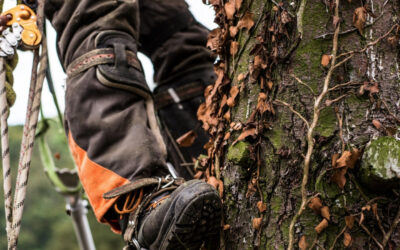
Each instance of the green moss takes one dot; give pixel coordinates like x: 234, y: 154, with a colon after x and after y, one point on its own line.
x: 327, y: 122
x: 380, y: 168
x: 314, y: 18
x: 308, y: 55
x: 276, y: 137
x: 332, y: 190
x: 239, y: 153
x: 276, y: 204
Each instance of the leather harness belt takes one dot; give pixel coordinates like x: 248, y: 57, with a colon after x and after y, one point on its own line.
x: 178, y: 94
x: 97, y: 57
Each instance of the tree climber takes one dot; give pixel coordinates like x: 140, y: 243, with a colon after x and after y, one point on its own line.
x: 110, y: 122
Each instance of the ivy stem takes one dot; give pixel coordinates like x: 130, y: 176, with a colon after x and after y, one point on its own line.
x: 310, y: 132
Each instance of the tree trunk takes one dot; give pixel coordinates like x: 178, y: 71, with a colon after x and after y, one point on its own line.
x: 304, y: 123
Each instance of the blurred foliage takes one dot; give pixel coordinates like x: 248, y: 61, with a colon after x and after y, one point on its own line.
x: 45, y: 225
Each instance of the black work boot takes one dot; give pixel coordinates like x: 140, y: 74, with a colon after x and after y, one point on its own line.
x: 188, y: 219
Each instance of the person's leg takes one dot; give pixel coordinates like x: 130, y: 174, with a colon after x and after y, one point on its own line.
x: 176, y: 44
x: 114, y: 136
x: 111, y: 135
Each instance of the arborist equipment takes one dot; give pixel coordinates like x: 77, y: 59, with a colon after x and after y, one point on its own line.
x: 20, y: 17
x: 66, y: 182
x: 25, y: 17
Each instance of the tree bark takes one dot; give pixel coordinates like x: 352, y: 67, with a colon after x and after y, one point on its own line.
x: 318, y: 104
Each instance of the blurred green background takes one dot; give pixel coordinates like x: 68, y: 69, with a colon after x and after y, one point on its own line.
x: 45, y: 224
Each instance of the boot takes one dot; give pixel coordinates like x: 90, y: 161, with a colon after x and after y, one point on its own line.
x: 187, y: 218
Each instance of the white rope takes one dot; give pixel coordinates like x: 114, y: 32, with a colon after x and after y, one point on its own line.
x: 14, y: 211
x: 5, y: 154
x: 24, y: 166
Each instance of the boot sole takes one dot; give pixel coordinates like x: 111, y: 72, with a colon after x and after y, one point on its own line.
x: 199, y: 222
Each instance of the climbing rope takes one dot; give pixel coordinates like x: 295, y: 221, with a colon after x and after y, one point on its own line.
x: 5, y: 154
x: 14, y: 210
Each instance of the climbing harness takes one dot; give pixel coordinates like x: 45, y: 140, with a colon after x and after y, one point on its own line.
x: 21, y: 28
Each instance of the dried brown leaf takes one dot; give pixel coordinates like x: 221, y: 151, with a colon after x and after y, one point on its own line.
x: 303, y: 243
x: 315, y: 205
x: 187, y: 139
x: 234, y: 48
x: 349, y: 221
x: 321, y: 226
x: 246, y: 22
x: 377, y: 124
x: 214, y: 39
x: 238, y: 4
x: 339, y: 177
x: 366, y: 208
x: 375, y: 209
x: 359, y: 19
x: 262, y: 105
x: 335, y: 157
x: 227, y: 116
x: 241, y: 76
x: 246, y: 133
x: 371, y: 87
x: 257, y: 223
x: 222, y: 104
x: 347, y: 239
x: 262, y: 207
x: 355, y: 155
x: 233, y: 93
x: 325, y: 60
x: 227, y: 136
x: 230, y: 9
x: 251, y: 188
x: 343, y: 160
x: 270, y: 84
x: 393, y: 40
x: 233, y: 30
x: 325, y: 213
x: 217, y: 184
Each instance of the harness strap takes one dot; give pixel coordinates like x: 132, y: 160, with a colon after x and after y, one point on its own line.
x: 141, y: 183
x: 98, y: 57
x: 179, y: 94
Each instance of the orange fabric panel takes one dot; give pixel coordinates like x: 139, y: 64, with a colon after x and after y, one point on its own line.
x: 96, y: 181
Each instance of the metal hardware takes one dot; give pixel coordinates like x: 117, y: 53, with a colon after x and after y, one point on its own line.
x: 175, y: 97
x: 172, y: 170
x: 172, y: 180
x: 26, y: 17
x: 136, y: 243
x: 10, y: 40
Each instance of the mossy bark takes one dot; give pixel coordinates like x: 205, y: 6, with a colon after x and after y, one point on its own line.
x: 281, y: 174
